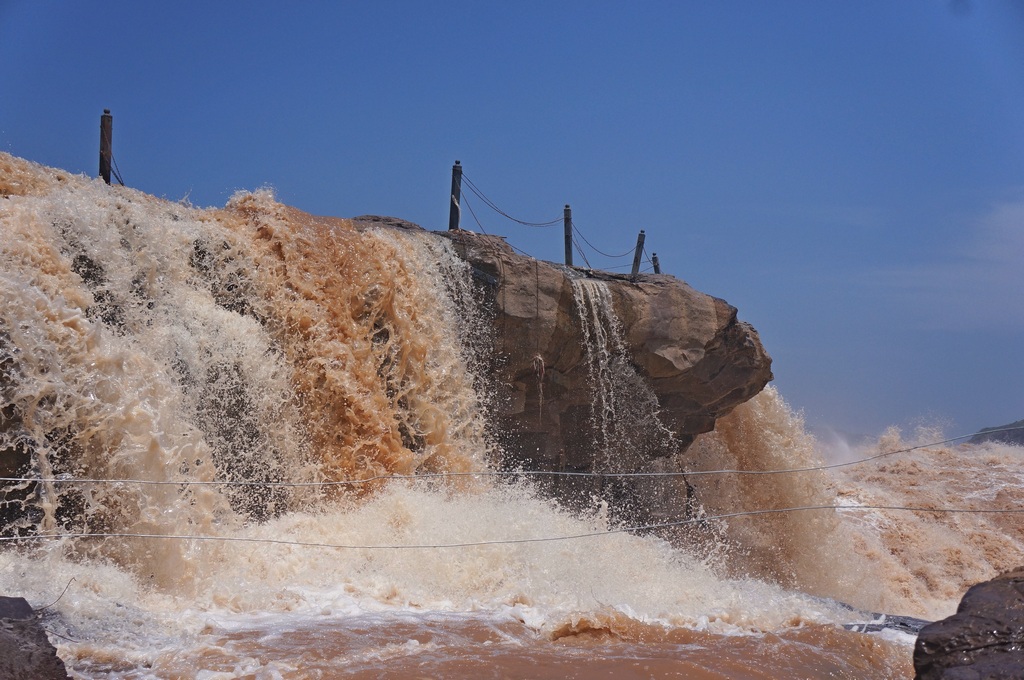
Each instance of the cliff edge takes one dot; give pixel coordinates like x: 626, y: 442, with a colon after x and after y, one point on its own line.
x: 674, y: 360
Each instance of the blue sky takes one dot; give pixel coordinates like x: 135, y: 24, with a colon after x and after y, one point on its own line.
x: 850, y: 175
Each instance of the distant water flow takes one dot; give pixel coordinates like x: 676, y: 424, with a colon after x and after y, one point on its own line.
x: 148, y: 340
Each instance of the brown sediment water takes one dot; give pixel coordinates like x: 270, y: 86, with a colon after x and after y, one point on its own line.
x: 914, y: 563
x: 150, y: 341
x: 465, y: 648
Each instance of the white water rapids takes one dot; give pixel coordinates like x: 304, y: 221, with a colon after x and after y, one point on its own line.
x: 149, y: 340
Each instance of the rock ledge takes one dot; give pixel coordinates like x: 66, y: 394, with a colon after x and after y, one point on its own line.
x: 984, y: 640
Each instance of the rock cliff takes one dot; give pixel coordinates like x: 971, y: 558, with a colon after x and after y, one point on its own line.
x: 674, y: 359
x: 1011, y: 433
x: 984, y: 640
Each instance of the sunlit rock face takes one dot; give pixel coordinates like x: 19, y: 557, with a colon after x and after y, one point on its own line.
x: 596, y: 371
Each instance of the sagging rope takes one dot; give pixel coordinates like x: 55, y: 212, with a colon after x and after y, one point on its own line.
x: 493, y: 206
x: 484, y: 232
x: 579, y: 249
x: 503, y: 473
x: 596, y: 249
x: 475, y: 218
x: 510, y: 541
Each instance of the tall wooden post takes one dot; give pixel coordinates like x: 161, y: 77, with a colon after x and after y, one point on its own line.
x: 567, y: 222
x: 654, y: 261
x: 106, y: 144
x: 455, y: 209
x: 639, y: 250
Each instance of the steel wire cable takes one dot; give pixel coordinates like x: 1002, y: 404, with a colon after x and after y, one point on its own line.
x: 484, y: 232
x: 473, y: 213
x: 116, y: 170
x: 595, y: 248
x: 611, y: 531
x: 579, y: 248
x: 493, y: 206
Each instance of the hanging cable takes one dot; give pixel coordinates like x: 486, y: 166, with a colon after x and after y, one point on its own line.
x: 579, y: 249
x: 473, y: 213
x: 484, y: 232
x: 514, y: 541
x: 493, y: 206
x: 595, y: 248
x: 116, y: 170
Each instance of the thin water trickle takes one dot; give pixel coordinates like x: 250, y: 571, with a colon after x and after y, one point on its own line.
x: 602, y: 336
x: 624, y: 411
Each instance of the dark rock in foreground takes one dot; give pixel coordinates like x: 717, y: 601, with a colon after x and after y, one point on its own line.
x: 984, y: 640
x: 25, y: 651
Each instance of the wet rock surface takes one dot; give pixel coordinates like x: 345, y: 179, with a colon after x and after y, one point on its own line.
x: 699, y: 360
x: 984, y: 640
x: 25, y: 651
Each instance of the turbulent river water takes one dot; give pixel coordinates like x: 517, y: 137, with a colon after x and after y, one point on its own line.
x: 253, y: 444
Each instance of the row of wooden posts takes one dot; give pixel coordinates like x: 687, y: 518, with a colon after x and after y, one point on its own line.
x: 455, y: 213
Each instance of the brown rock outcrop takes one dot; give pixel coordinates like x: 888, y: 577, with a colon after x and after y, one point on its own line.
x: 684, y: 354
x: 984, y: 640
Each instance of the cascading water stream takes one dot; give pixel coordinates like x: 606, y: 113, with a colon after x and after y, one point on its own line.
x: 602, y: 342
x: 147, y: 340
x: 624, y: 423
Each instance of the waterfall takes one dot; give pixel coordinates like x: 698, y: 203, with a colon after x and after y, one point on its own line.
x: 252, y: 346
x: 625, y: 428
x: 242, y: 408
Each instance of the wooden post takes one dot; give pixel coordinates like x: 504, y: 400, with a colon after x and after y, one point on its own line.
x: 567, y: 222
x: 654, y: 261
x: 106, y: 144
x: 639, y: 250
x: 455, y: 209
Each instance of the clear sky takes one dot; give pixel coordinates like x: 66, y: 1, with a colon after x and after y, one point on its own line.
x: 850, y: 175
